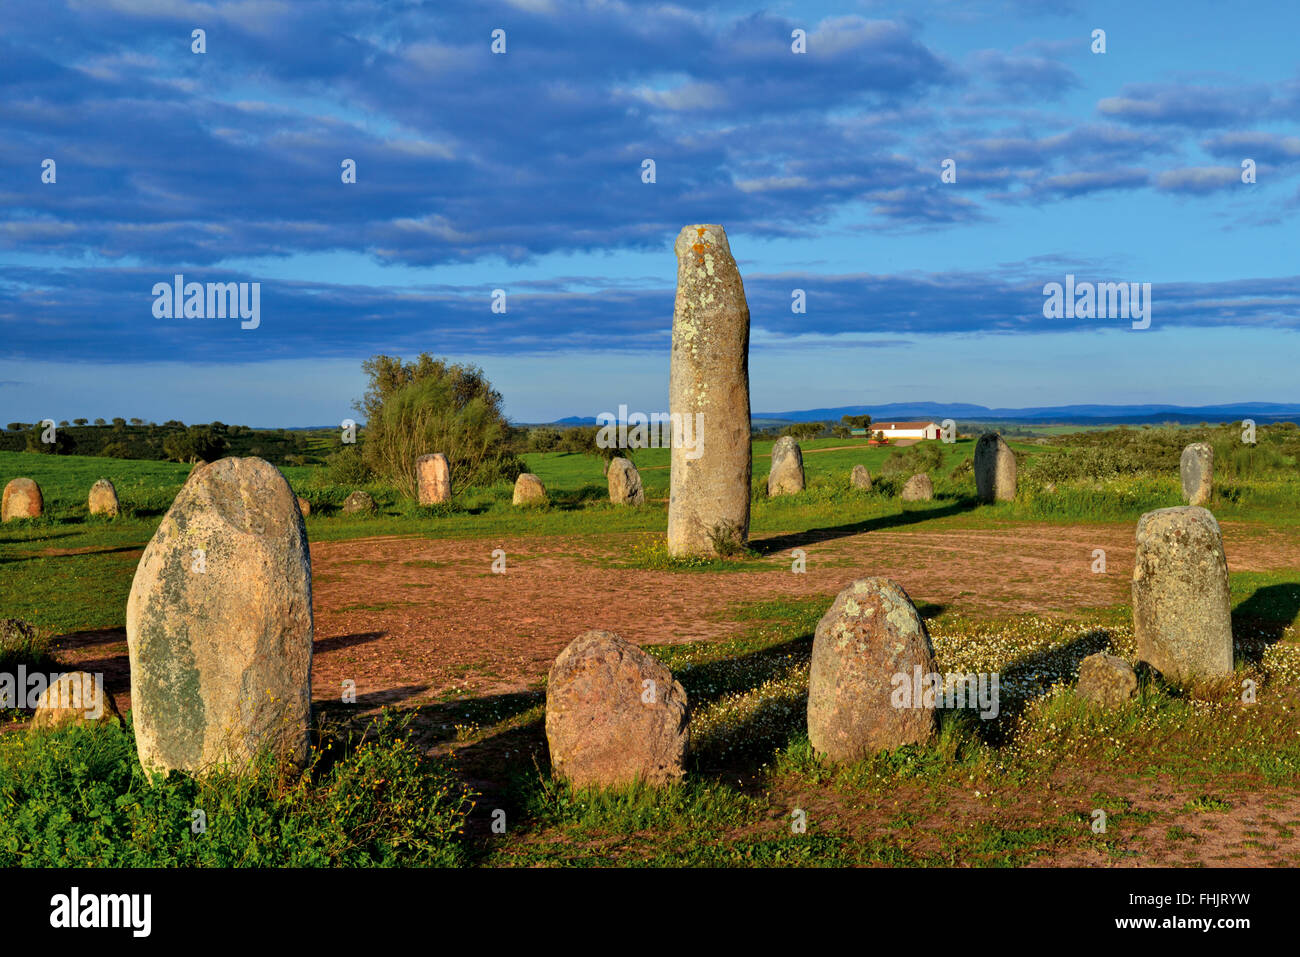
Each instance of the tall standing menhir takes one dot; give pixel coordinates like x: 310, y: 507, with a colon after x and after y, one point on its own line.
x: 708, y: 505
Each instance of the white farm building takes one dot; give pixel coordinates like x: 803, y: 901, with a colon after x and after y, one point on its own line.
x: 907, y: 430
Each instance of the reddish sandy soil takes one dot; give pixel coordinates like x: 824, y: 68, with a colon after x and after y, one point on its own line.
x: 412, y: 619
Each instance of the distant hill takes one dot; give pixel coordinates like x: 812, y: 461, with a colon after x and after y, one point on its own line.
x: 1053, y: 414
x: 1058, y: 414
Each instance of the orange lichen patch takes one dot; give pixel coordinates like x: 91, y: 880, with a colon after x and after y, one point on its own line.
x: 699, y: 247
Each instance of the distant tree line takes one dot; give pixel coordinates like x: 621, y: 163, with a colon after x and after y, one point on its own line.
x: 173, y: 440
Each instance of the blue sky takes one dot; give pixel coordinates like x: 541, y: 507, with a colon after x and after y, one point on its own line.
x: 522, y: 171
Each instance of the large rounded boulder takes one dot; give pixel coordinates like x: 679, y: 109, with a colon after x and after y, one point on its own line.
x: 870, y: 644
x: 614, y: 715
x: 21, y: 499
x: 102, y: 499
x: 75, y: 697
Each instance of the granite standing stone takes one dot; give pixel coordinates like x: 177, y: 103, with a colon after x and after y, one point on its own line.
x: 21, y: 499
x: 102, y: 499
x: 614, y: 715
x: 786, y: 476
x: 1196, y: 469
x: 434, y: 476
x: 918, y: 488
x: 870, y: 640
x: 529, y: 490
x: 709, y: 393
x: 219, y: 624
x: 995, y: 469
x: 625, y: 483
x: 1182, y: 616
x: 358, y: 502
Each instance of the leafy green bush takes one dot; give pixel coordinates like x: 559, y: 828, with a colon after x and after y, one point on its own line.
x: 544, y: 439
x: 430, y: 405
x: 906, y: 462
x: 76, y: 796
x: 347, y: 466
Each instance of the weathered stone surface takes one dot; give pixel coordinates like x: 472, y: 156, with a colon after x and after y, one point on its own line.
x: 614, y: 714
x: 220, y: 639
x: 708, y: 392
x: 21, y: 499
x: 871, y: 634
x: 75, y: 697
x: 1196, y: 469
x: 103, y: 498
x: 198, y: 467
x: 434, y: 476
x: 861, y: 478
x: 1181, y: 606
x: 1106, y: 680
x: 358, y: 501
x: 304, y: 506
x: 529, y: 490
x: 786, y: 476
x: 995, y: 469
x: 918, y: 488
x: 625, y: 483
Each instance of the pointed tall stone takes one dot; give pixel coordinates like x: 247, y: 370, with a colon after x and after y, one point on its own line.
x: 708, y: 396
x: 995, y: 469
x: 786, y: 476
x: 1196, y: 469
x: 433, y: 477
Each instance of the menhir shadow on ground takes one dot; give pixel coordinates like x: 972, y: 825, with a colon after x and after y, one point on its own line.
x: 780, y: 543
x: 1027, y: 671
x: 1262, y: 620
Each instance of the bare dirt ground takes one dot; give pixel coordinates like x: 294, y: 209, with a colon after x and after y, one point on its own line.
x: 410, y: 620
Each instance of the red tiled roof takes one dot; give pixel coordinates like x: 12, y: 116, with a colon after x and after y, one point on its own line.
x: 901, y: 425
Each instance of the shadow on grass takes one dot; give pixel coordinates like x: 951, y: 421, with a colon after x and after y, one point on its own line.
x: 76, y: 553
x: 1262, y: 620
x: 779, y: 543
x: 28, y: 540
x: 996, y: 731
